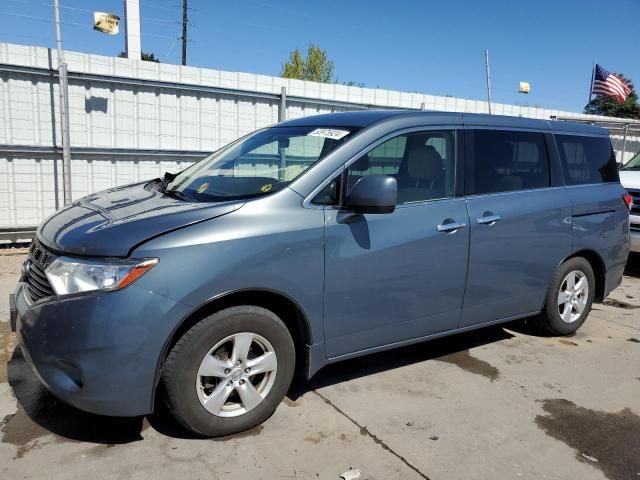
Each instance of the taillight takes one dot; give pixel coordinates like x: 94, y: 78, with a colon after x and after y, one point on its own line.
x: 628, y: 200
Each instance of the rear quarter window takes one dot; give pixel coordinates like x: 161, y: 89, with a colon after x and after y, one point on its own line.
x: 587, y: 160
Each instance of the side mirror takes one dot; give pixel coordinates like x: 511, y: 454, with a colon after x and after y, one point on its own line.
x: 373, y: 194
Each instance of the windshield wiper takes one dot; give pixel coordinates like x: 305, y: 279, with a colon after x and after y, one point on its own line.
x: 166, y: 180
x: 172, y: 192
x: 177, y: 194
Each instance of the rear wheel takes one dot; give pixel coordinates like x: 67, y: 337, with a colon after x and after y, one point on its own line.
x: 570, y: 297
x: 230, y: 371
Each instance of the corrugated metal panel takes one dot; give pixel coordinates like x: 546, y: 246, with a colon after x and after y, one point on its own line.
x: 117, y: 103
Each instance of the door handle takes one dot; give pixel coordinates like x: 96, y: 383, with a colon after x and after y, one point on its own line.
x: 450, y: 227
x: 488, y: 219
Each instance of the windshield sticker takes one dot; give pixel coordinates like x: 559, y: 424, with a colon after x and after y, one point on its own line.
x: 329, y: 133
x: 266, y: 188
x: 202, y: 188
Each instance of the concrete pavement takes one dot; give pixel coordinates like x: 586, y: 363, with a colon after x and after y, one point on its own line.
x: 492, y: 404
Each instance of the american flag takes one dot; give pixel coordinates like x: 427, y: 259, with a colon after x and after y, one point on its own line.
x: 606, y: 83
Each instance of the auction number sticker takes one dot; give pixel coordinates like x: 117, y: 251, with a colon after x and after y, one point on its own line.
x: 329, y: 133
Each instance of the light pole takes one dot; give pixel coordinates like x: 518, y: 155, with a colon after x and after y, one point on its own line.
x: 64, y: 110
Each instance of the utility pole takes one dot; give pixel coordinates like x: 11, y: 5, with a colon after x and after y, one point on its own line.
x: 64, y: 110
x: 184, y: 32
x: 486, y: 64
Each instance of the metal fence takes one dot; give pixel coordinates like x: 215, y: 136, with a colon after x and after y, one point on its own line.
x: 132, y: 120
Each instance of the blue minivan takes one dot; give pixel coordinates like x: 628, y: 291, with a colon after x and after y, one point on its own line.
x: 314, y: 241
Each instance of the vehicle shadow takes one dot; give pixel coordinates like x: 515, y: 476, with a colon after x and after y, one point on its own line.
x: 43, y: 413
x: 633, y: 265
x: 358, y: 367
x: 40, y: 413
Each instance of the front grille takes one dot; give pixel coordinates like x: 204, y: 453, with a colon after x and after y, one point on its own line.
x: 635, y: 207
x: 38, y: 285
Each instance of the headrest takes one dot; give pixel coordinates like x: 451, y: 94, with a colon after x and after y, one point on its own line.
x: 501, y: 155
x: 424, y: 163
x: 362, y: 163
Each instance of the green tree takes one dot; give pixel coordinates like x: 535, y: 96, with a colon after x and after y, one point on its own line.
x: 147, y: 57
x: 611, y: 107
x: 315, y: 67
x: 294, y: 68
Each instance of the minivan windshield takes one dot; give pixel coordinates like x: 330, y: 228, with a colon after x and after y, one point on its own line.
x: 633, y: 164
x: 259, y: 164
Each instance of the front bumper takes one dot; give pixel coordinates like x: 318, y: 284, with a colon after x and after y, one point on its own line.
x: 634, y: 233
x: 634, y: 241
x: 98, y: 352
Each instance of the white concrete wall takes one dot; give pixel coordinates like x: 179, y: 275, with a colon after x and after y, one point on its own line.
x: 122, y: 116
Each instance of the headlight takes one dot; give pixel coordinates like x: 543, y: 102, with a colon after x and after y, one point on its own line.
x: 70, y: 275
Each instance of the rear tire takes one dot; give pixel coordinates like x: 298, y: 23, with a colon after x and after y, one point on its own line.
x: 230, y: 371
x: 569, y: 298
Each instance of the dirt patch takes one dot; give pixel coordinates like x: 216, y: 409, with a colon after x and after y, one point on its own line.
x: 471, y: 364
x: 608, y: 441
x: 7, y: 345
x: 568, y: 342
x: 316, y: 439
x: 22, y: 432
x: 11, y: 264
x: 610, y: 302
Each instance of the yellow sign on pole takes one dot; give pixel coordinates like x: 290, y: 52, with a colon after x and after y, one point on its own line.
x: 525, y: 87
x: 106, y: 23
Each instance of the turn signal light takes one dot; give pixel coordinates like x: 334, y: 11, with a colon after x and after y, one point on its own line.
x: 628, y: 200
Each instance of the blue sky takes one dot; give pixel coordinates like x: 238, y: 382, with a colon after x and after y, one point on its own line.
x: 427, y: 46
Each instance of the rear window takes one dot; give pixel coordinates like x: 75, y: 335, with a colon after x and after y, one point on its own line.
x: 587, y: 159
x: 505, y: 161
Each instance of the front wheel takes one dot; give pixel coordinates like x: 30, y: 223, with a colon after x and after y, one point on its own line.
x: 230, y: 371
x: 570, y: 297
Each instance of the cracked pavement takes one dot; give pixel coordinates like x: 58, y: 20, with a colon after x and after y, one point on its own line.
x: 496, y: 403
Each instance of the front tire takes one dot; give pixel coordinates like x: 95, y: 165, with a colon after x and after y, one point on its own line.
x: 570, y: 297
x: 230, y: 371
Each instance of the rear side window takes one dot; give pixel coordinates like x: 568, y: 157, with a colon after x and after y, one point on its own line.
x: 505, y: 161
x: 587, y: 159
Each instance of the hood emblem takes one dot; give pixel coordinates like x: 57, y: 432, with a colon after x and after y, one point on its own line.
x: 266, y: 188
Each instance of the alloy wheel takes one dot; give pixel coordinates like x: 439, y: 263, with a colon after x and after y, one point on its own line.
x: 573, y: 296
x: 236, y: 375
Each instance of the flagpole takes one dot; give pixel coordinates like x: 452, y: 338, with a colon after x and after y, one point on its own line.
x: 593, y: 73
x: 486, y: 65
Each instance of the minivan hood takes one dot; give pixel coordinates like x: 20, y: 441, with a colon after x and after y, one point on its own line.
x: 111, y: 223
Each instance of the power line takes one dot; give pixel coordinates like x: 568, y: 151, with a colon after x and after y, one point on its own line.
x: 44, y: 19
x: 40, y: 4
x: 165, y: 7
x: 171, y: 48
x: 159, y: 21
x: 278, y: 7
